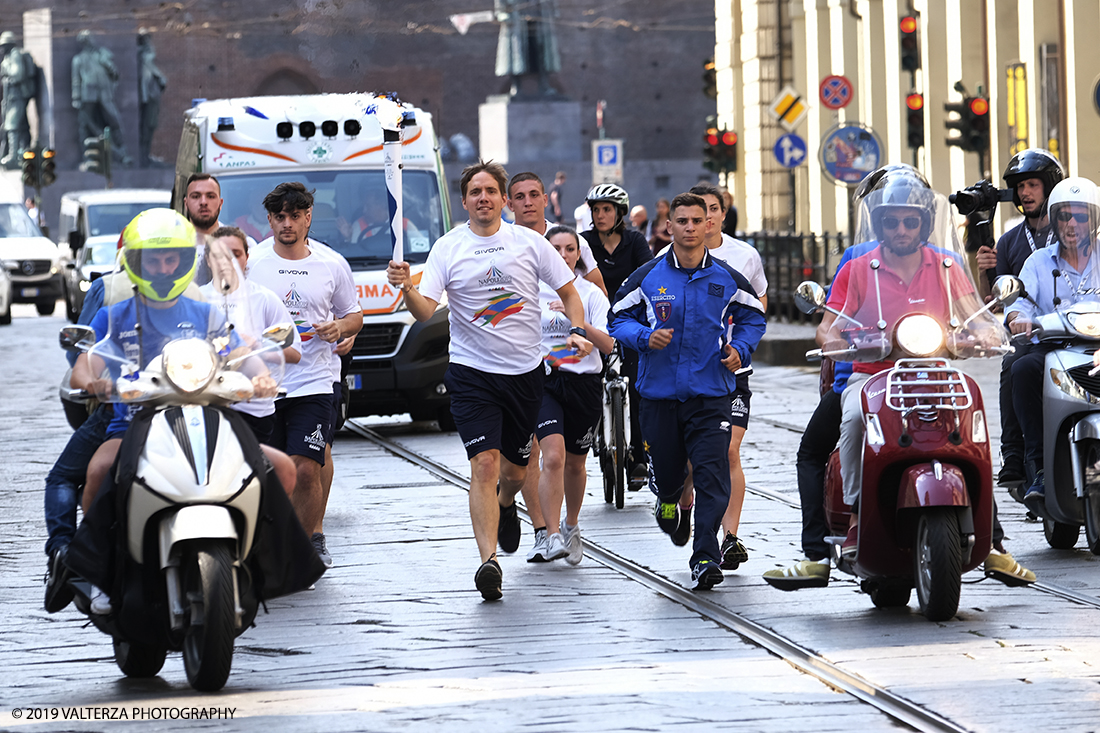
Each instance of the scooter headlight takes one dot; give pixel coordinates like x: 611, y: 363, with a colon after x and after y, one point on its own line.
x: 1063, y: 381
x: 919, y: 335
x: 1086, y: 324
x: 189, y: 364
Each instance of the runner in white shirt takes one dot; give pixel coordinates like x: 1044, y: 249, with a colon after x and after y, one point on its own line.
x: 490, y: 271
x: 528, y: 201
x: 571, y: 407
x: 744, y: 258
x: 317, y: 289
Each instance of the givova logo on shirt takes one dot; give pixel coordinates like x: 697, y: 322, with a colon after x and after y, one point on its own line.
x: 499, y: 308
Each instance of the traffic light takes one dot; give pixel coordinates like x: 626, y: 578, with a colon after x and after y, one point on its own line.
x: 710, y: 151
x: 48, y: 167
x: 915, y: 115
x: 710, y: 79
x: 727, y: 150
x: 910, y: 47
x: 31, y: 168
x: 97, y: 156
x: 972, y: 124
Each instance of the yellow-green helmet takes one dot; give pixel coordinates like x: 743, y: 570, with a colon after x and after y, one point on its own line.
x: 149, y: 244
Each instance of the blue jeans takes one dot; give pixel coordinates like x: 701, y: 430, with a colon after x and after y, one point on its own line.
x: 66, y: 479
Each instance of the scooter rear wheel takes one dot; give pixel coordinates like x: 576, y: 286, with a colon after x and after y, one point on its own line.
x: 937, y: 564
x: 139, y: 660
x: 208, y: 644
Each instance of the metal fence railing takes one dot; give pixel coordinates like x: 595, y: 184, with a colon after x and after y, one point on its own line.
x: 791, y: 258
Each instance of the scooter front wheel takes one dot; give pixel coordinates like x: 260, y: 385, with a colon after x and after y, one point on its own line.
x: 139, y: 660
x: 1092, y: 497
x: 937, y: 564
x: 208, y: 644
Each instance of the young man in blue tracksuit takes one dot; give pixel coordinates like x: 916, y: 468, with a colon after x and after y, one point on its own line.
x: 694, y: 322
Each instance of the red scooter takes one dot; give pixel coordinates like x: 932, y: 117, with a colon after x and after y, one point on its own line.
x: 926, y: 505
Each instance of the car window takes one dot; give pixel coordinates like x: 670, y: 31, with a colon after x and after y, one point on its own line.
x: 113, y: 218
x: 103, y: 254
x: 16, y: 222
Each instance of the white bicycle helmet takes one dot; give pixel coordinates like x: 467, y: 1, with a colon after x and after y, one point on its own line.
x: 614, y: 195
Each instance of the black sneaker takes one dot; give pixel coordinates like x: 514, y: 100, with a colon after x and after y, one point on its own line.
x: 1012, y: 471
x: 58, y: 591
x: 508, y: 531
x: 639, y: 477
x: 488, y: 579
x: 321, y: 548
x: 668, y: 516
x: 733, y: 552
x: 706, y: 575
x: 682, y: 533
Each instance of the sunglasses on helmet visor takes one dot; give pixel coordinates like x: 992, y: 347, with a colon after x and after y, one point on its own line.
x: 910, y: 222
x: 1067, y: 215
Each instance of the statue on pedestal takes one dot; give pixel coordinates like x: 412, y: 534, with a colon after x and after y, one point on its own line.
x: 94, y: 79
x: 19, y: 81
x: 527, y: 45
x: 151, y: 84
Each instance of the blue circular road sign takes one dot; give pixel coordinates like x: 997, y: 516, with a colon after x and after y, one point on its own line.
x: 790, y: 151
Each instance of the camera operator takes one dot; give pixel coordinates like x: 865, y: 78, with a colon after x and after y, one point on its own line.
x: 1031, y: 175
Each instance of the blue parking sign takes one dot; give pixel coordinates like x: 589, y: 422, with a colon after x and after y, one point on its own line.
x: 608, y: 154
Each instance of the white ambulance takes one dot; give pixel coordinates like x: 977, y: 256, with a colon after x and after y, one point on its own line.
x: 332, y: 143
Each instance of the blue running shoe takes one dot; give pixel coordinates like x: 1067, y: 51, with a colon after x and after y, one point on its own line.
x: 1035, y: 498
x: 706, y: 575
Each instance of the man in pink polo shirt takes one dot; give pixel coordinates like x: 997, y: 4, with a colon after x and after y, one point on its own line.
x: 905, y: 274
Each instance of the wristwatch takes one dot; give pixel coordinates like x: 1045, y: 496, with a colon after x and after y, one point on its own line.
x: 578, y: 331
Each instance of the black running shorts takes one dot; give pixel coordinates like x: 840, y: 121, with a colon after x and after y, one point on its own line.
x: 495, y: 411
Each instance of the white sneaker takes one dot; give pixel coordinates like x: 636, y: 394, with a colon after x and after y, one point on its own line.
x: 101, y: 604
x: 538, y: 552
x: 555, y: 547
x: 573, y: 544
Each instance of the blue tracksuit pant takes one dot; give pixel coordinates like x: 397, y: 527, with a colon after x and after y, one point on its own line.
x: 697, y: 430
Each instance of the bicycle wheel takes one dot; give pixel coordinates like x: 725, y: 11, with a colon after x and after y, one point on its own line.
x: 603, y: 452
x: 619, y: 446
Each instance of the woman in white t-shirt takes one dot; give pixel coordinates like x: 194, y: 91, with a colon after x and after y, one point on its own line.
x: 571, y: 407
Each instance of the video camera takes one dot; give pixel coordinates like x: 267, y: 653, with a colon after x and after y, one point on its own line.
x: 981, y: 196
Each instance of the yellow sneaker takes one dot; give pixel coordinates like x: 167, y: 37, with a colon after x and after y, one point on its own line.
x: 804, y: 574
x: 1003, y: 567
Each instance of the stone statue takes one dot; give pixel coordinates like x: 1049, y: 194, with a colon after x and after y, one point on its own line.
x: 94, y: 80
x: 19, y: 80
x: 151, y: 83
x: 527, y: 45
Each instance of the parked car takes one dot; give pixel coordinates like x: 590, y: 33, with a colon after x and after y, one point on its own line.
x: 88, y: 230
x: 32, y: 261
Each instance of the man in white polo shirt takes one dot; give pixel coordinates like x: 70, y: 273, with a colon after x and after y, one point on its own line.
x: 490, y: 271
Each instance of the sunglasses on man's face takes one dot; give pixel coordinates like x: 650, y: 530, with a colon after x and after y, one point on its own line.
x: 1068, y: 215
x: 910, y: 222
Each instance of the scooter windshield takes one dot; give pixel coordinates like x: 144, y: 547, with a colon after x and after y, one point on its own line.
x: 907, y: 290
x: 161, y: 341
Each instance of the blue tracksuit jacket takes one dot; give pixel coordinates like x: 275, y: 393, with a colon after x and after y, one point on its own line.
x: 708, y: 307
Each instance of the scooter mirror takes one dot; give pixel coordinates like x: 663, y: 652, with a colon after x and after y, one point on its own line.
x: 281, y: 333
x: 1006, y: 289
x: 809, y: 296
x: 77, y: 338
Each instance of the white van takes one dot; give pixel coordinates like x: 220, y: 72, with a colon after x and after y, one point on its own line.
x: 332, y: 143
x: 32, y: 260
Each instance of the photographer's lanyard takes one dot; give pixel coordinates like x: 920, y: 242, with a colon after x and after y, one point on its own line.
x: 1031, y: 241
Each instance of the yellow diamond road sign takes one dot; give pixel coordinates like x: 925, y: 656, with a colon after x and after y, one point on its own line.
x: 789, y: 108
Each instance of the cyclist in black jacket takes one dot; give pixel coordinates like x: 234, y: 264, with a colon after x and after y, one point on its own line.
x: 619, y: 251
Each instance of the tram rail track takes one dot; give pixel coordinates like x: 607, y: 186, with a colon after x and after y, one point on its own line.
x: 835, y: 676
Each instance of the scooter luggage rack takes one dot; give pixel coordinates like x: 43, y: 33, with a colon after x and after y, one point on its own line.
x: 950, y: 388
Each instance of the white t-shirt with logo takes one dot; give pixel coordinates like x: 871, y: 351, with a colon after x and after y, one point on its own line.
x: 492, y: 286
x: 315, y: 289
x: 264, y: 309
x: 556, y: 325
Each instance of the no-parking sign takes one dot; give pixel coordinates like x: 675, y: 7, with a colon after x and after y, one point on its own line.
x: 835, y: 91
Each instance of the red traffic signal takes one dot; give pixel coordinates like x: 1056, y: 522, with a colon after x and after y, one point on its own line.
x: 915, y: 102
x: 908, y: 24
x: 729, y: 138
x: 979, y: 106
x: 909, y: 47
x: 712, y: 136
